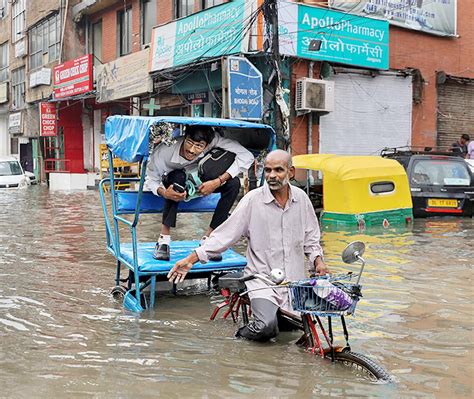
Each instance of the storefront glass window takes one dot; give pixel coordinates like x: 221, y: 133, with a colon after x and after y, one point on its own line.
x: 184, y: 8
x: 124, y: 21
x: 18, y: 88
x: 97, y: 42
x: 211, y: 3
x: 44, y: 42
x: 148, y: 19
x: 3, y: 62
x: 18, y: 20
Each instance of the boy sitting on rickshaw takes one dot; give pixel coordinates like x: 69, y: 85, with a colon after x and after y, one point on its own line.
x: 169, y: 169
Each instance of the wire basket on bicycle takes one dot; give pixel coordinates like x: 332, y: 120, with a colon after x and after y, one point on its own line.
x: 336, y: 295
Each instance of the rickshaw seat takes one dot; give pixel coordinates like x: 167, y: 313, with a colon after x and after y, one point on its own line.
x: 127, y: 200
x: 231, y: 260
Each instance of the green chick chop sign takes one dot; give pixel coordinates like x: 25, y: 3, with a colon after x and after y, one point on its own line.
x: 343, y: 38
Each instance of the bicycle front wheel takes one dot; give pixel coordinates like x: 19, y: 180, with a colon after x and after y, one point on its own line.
x: 361, y: 364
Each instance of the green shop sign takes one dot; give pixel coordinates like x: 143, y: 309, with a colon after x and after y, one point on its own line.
x: 322, y: 34
x: 210, y: 33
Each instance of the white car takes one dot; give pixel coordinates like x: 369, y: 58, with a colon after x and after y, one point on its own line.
x: 470, y: 162
x: 12, y: 175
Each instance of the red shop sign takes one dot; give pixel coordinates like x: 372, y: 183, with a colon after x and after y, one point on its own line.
x: 48, y: 123
x: 73, y: 77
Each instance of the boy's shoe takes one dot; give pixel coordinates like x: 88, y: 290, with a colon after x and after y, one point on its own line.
x: 161, y: 252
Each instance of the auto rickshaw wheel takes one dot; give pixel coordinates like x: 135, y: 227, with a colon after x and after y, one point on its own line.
x: 118, y: 292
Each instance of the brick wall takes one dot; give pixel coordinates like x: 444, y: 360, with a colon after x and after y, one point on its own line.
x: 299, y: 124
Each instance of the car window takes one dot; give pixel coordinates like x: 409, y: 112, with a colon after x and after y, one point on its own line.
x: 10, y: 168
x: 440, y: 172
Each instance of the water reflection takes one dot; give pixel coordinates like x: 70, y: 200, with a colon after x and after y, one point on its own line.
x: 61, y: 331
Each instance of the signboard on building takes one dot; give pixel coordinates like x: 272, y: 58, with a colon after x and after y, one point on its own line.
x: 48, y: 120
x: 245, y: 93
x: 197, y: 98
x: 213, y: 32
x: 340, y: 37
x: 124, y: 77
x: 436, y: 17
x: 73, y: 77
x: 3, y: 92
x: 20, y: 48
x: 41, y: 77
x: 14, y: 123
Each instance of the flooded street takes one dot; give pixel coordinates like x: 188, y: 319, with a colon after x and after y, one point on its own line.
x: 63, y: 335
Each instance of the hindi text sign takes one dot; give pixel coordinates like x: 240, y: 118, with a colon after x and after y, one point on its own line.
x: 245, y: 89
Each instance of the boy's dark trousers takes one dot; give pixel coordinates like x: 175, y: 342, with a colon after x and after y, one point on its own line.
x: 229, y: 192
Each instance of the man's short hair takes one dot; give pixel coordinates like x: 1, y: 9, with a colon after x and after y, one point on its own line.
x: 200, y: 133
x: 466, y: 137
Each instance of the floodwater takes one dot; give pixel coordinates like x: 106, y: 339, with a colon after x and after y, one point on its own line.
x: 61, y: 333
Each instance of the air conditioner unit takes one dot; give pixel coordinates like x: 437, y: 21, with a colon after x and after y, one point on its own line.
x: 314, y: 95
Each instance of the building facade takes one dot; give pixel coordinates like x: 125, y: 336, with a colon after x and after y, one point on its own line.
x: 377, y: 82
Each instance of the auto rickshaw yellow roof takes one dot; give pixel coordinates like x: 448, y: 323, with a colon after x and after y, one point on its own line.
x: 348, y: 183
x: 350, y: 166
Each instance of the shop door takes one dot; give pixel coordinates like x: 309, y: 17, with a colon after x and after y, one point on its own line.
x: 455, y: 110
x: 370, y: 113
x: 26, y: 156
x: 71, y: 123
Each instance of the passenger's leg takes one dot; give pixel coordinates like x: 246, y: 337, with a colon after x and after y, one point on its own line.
x: 170, y: 208
x: 264, y: 324
x: 229, y: 192
x: 170, y: 211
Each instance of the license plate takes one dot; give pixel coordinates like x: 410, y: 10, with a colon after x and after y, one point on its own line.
x: 443, y: 203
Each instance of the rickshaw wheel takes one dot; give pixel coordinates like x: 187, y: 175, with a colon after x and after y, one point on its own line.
x: 118, y: 292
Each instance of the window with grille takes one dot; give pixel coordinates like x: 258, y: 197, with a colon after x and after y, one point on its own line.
x: 3, y: 62
x: 184, y: 8
x: 148, y: 19
x: 18, y: 88
x: 124, y: 21
x: 18, y: 20
x: 44, y: 42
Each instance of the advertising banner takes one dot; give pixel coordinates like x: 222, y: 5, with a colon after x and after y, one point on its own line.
x: 41, y: 77
x: 343, y: 38
x: 73, y: 77
x: 124, y: 77
x: 14, y: 122
x: 48, y: 120
x: 431, y: 16
x: 245, y: 89
x: 217, y: 31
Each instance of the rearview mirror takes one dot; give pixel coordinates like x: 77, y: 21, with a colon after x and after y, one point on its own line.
x: 353, y: 252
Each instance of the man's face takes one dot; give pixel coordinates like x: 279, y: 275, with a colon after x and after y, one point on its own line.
x: 462, y: 141
x: 192, y: 149
x: 277, y: 173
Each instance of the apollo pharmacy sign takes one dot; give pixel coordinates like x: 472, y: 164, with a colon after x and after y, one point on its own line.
x: 218, y: 31
x: 437, y: 17
x: 345, y: 38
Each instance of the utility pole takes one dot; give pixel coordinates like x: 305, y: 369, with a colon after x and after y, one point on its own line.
x: 280, y: 111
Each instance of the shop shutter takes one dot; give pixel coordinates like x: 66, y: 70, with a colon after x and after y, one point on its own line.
x: 371, y: 113
x: 455, y: 110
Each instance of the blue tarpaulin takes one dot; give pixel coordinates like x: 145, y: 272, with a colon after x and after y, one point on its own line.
x: 127, y: 136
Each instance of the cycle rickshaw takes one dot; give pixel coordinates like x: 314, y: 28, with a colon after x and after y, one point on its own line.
x: 131, y: 138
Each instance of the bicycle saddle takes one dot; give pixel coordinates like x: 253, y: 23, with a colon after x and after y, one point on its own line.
x: 234, y: 281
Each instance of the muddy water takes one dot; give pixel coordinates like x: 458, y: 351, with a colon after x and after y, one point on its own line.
x: 61, y: 334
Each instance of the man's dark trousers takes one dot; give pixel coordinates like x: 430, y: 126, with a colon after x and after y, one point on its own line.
x: 229, y: 192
